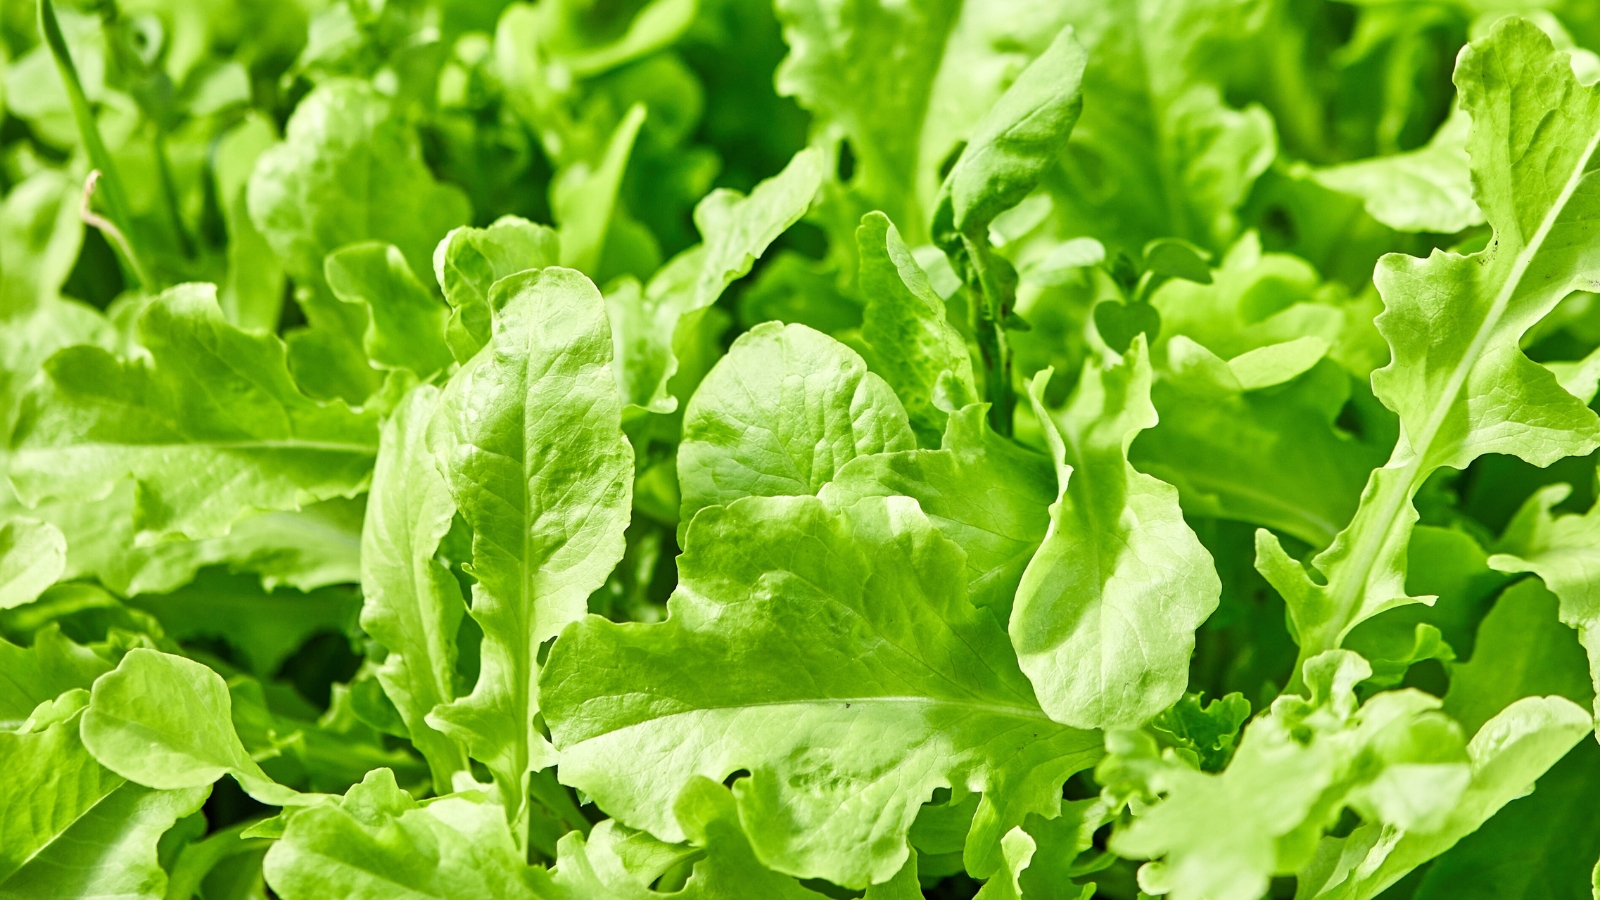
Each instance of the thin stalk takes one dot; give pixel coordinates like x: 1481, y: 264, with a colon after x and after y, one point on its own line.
x: 169, y: 193
x: 992, y: 308
x: 117, y: 206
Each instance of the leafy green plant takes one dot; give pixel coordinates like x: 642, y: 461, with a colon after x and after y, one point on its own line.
x: 720, y: 449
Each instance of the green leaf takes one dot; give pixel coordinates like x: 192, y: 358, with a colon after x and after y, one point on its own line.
x: 306, y: 549
x: 405, y: 323
x: 735, y: 230
x: 618, y: 862
x: 469, y: 260
x: 779, y: 415
x: 33, y: 555
x: 1507, y: 755
x: 844, y: 624
x: 165, y: 722
x: 1158, y: 152
x: 40, y: 235
x: 1177, y: 258
x: 1465, y: 388
x: 988, y: 495
x: 867, y: 72
x: 350, y: 169
x: 583, y: 195
x: 1539, y: 846
x: 1563, y: 552
x: 264, y: 628
x: 41, y: 673
x: 1222, y: 445
x: 1396, y: 761
x: 69, y: 827
x: 529, y: 440
x: 1106, y: 612
x: 904, y: 322
x: 252, y: 294
x: 1427, y: 189
x: 208, y: 424
x: 413, y: 605
x: 1522, y: 651
x: 376, y: 843
x: 1015, y: 143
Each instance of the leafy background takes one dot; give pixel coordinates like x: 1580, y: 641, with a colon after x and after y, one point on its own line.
x: 243, y: 476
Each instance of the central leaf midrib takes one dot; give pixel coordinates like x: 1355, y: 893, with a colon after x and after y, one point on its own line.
x: 1373, y: 540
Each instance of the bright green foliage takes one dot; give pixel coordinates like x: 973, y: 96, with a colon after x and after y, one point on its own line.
x: 1469, y: 390
x: 207, y: 423
x: 780, y: 416
x: 799, y: 449
x: 528, y: 437
x: 413, y: 604
x: 1107, y: 609
x: 854, y: 621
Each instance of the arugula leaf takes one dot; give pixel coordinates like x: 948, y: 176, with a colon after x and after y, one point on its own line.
x: 207, y: 422
x: 780, y: 415
x: 412, y: 603
x: 842, y: 622
x: 1105, y: 615
x: 528, y: 437
x: 1468, y: 390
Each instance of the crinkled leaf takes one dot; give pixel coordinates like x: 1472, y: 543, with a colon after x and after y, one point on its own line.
x: 618, y: 862
x: 209, y: 425
x: 469, y: 260
x: 350, y: 169
x: 33, y: 675
x: 779, y: 415
x: 1106, y: 612
x: 985, y: 493
x: 405, y: 322
x: 843, y: 624
x: 904, y: 323
x: 528, y: 437
x: 378, y: 844
x: 1458, y: 380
